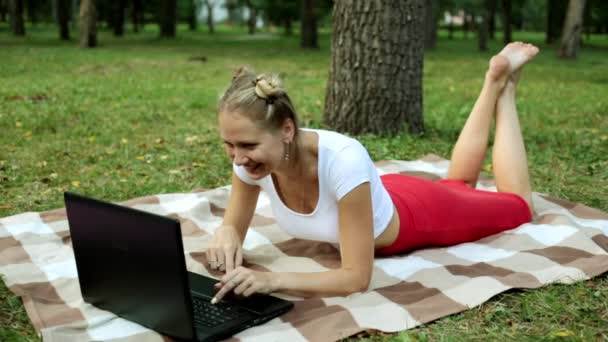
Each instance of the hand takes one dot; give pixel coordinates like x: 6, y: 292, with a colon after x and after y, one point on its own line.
x: 225, y: 251
x: 245, y: 282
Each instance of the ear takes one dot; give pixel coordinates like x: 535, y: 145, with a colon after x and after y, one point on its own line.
x: 288, y: 130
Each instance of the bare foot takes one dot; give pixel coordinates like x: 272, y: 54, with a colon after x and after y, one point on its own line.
x: 506, y: 65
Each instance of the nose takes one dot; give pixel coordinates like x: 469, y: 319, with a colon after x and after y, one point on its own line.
x: 239, y: 156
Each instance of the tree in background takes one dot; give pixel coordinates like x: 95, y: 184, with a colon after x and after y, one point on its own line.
x: 491, y: 8
x: 252, y: 6
x: 31, y: 7
x: 137, y: 15
x: 88, y: 24
x: 3, y: 10
x: 506, y: 21
x: 63, y: 19
x: 375, y: 74
x: 431, y: 19
x: 282, y: 13
x: 167, y: 16
x: 209, y: 5
x: 16, y: 17
x: 118, y: 17
x: 573, y: 26
x: 309, y: 33
x: 483, y: 29
x: 192, y: 14
x: 556, y: 14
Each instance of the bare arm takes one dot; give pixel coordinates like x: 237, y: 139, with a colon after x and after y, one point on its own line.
x: 225, y: 249
x: 357, y: 253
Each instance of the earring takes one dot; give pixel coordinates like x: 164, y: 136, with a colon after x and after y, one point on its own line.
x: 286, y: 148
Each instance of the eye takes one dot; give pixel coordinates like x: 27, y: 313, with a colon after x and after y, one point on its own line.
x: 249, y: 146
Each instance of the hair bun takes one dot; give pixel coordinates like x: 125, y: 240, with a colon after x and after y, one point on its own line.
x: 267, y: 87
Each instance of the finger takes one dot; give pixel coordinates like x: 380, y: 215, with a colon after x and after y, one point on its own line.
x: 220, y: 294
x: 251, y: 290
x: 229, y: 259
x: 239, y: 257
x: 211, y: 258
x: 243, y: 285
x: 220, y: 259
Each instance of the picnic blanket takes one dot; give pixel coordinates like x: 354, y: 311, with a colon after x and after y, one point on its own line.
x: 566, y: 242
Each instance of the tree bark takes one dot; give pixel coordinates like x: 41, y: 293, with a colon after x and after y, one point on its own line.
x: 431, y: 16
x: 492, y: 19
x: 16, y: 17
x: 210, y: 25
x: 506, y: 15
x: 375, y: 74
x: 137, y: 15
x: 192, y: 15
x: 571, y: 34
x: 309, y: 25
x: 167, y: 18
x: 88, y: 24
x: 63, y: 19
x: 484, y: 27
x: 253, y: 16
x: 119, y: 17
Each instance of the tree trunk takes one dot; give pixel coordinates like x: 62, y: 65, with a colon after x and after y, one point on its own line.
x: 192, y: 15
x: 484, y: 27
x: 309, y: 25
x: 3, y: 11
x: 137, y: 15
x: 492, y: 19
x: 88, y: 24
x: 74, y: 16
x: 210, y: 4
x: 253, y: 17
x: 288, y: 22
x: 431, y: 16
x: 31, y: 6
x: 119, y: 17
x: 167, y: 18
x: 571, y: 35
x: 506, y: 22
x: 375, y: 74
x: 16, y: 17
x: 63, y: 19
x: 451, y: 28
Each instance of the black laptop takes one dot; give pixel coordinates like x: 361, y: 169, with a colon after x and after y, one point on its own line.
x: 132, y: 263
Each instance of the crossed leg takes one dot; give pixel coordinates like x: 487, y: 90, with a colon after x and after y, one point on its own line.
x: 509, y: 155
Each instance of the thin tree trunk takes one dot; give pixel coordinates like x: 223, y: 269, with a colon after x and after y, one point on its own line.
x: 192, y: 20
x: 74, y: 15
x: 3, y: 11
x: 309, y: 25
x: 16, y: 17
x: 210, y: 4
x: 492, y: 19
x: 506, y: 15
x: 571, y: 34
x: 288, y: 23
x: 431, y: 16
x: 167, y: 18
x: 253, y: 17
x: 63, y: 19
x: 119, y: 17
x: 88, y: 24
x: 451, y: 28
x: 137, y: 15
x: 484, y: 26
x: 31, y: 6
x: 375, y: 75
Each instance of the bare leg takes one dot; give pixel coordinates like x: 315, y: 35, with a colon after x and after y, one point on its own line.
x: 470, y: 149
x: 469, y: 152
x: 509, y: 159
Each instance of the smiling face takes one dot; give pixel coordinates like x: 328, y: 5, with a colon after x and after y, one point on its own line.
x: 260, y: 151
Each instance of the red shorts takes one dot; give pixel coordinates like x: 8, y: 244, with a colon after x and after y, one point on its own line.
x: 448, y: 212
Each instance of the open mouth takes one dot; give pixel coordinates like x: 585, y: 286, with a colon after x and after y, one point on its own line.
x: 253, y: 169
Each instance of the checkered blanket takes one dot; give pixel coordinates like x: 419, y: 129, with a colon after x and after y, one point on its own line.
x: 566, y: 242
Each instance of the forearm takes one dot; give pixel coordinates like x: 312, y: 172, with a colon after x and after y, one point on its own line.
x: 341, y: 282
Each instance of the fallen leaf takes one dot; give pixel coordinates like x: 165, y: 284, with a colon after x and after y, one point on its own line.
x: 27, y: 134
x: 124, y: 141
x: 91, y: 138
x: 76, y: 184
x: 6, y: 206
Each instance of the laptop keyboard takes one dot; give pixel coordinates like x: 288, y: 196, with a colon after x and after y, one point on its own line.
x: 211, y: 315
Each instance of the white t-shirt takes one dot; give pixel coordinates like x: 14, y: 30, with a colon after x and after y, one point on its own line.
x: 343, y: 164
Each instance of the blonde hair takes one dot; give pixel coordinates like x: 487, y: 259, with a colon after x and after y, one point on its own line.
x: 261, y: 98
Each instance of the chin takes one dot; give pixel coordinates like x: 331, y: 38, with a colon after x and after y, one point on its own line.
x: 257, y: 174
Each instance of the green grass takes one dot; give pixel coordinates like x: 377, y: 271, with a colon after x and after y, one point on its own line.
x: 136, y: 117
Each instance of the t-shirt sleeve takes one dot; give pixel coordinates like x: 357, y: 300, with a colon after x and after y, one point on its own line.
x: 349, y: 168
x: 242, y: 174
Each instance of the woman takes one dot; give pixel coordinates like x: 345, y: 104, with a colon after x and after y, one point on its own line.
x: 323, y: 185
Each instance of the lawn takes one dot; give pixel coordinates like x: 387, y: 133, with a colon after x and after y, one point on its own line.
x: 136, y: 116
